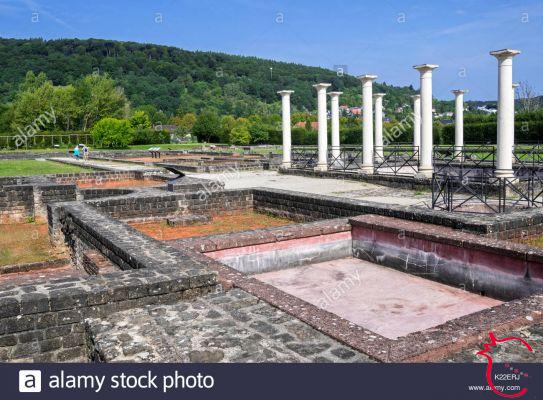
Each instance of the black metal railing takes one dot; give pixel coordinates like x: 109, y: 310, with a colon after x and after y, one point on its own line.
x: 464, y: 180
x: 304, y: 157
x: 345, y: 158
x: 396, y: 160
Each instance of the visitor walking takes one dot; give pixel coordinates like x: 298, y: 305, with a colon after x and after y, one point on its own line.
x: 76, y: 152
x: 85, y: 153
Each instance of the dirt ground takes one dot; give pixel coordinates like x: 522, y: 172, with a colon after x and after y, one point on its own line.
x: 223, y: 224
x: 122, y: 184
x: 25, y: 243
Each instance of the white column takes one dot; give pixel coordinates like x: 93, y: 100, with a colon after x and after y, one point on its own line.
x: 426, y: 139
x: 458, y: 121
x: 367, y: 123
x: 322, y: 164
x: 334, y: 107
x: 416, y: 123
x: 287, y: 140
x: 506, y: 113
x: 378, y: 97
x: 515, y: 86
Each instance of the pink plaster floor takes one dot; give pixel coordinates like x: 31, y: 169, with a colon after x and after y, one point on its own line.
x: 383, y: 300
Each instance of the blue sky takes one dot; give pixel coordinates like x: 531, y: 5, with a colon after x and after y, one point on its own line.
x: 383, y: 37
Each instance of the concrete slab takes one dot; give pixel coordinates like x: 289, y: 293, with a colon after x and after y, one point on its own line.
x: 385, y: 301
x: 331, y: 187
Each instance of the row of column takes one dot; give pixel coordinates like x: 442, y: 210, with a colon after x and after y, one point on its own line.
x: 367, y: 136
x: 422, y: 120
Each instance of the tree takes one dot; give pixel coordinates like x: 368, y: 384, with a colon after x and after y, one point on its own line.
x: 140, y: 120
x: 240, y: 135
x: 65, y: 106
x: 526, y: 97
x: 98, y: 97
x: 186, y: 124
x: 112, y: 133
x: 32, y: 104
x: 207, y: 127
x: 227, y: 124
x: 257, y: 130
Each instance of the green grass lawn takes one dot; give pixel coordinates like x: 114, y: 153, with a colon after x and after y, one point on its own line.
x: 34, y: 167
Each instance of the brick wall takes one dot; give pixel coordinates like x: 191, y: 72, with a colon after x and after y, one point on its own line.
x: 16, y: 203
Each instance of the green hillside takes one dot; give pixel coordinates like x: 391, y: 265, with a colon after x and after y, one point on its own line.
x: 177, y: 81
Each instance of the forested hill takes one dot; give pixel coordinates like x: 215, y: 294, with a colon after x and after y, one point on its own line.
x: 176, y: 80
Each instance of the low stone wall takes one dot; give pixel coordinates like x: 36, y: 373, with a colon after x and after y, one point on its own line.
x: 16, y: 203
x: 21, y: 202
x: 24, y: 197
x: 218, y: 203
x: 310, y: 207
x: 45, y: 321
x: 495, y: 268
x: 94, y: 193
x: 97, y: 177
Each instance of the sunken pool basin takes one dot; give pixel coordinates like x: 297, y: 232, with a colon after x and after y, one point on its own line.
x: 383, y: 300
x: 393, y: 278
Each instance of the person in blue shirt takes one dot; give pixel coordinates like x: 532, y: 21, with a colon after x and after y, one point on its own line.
x: 76, y: 152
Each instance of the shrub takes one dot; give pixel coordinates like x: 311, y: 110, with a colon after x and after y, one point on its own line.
x: 150, y: 136
x: 112, y: 133
x: 140, y: 120
x: 486, y: 132
x: 240, y: 135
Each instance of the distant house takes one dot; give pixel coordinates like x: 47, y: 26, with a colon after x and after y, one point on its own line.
x: 301, y: 124
x: 356, y: 110
x: 486, y: 109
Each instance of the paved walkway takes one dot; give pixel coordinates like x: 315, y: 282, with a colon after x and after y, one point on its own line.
x: 331, y: 187
x: 227, y: 327
x: 104, y: 165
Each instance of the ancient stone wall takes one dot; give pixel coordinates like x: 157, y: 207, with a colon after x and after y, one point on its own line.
x: 45, y: 321
x: 482, y: 265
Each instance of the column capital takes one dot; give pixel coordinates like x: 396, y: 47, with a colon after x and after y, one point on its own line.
x: 335, y: 94
x: 459, y: 91
x: 367, y: 78
x: 504, y: 53
x: 285, y: 92
x: 515, y: 85
x: 379, y: 95
x: 415, y: 96
x: 320, y: 86
x: 425, y: 67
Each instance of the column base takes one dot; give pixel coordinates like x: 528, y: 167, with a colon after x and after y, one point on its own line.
x: 321, y: 167
x: 286, y: 165
x: 424, y: 172
x: 366, y: 170
x: 504, y: 173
